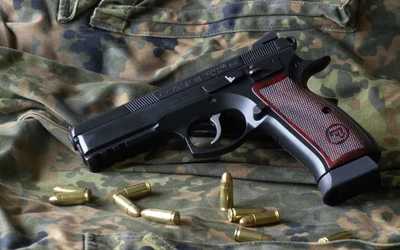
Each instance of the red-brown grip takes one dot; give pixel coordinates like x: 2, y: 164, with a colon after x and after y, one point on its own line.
x: 333, y: 134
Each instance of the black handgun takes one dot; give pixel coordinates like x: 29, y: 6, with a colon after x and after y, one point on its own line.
x: 266, y: 89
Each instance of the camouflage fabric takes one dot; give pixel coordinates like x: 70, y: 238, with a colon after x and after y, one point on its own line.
x: 64, y: 61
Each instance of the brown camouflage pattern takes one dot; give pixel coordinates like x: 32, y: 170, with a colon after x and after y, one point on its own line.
x: 64, y: 61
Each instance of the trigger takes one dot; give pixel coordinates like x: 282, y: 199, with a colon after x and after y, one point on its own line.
x: 215, y: 121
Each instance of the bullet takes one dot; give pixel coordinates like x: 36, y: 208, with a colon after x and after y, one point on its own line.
x: 136, y: 191
x: 68, y: 189
x: 262, y: 219
x: 337, y: 236
x: 226, y: 192
x: 161, y: 216
x: 245, y: 235
x: 235, y: 214
x: 68, y: 199
x: 126, y: 205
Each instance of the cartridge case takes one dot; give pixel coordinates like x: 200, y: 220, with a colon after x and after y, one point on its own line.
x: 68, y: 189
x: 226, y: 192
x: 136, y: 191
x: 68, y: 199
x: 161, y: 216
x: 126, y: 205
x: 235, y: 214
x: 262, y: 219
x: 337, y: 236
x: 244, y: 235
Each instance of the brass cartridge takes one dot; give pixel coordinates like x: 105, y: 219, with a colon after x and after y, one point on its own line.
x: 68, y: 199
x: 161, y: 216
x: 262, y: 219
x: 337, y: 236
x: 226, y: 192
x: 136, y: 191
x: 126, y: 205
x: 235, y: 214
x: 68, y: 189
x: 244, y: 235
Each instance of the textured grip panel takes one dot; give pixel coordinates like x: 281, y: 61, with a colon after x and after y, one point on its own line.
x: 332, y: 133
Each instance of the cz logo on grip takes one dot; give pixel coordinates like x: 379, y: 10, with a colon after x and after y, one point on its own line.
x: 337, y: 133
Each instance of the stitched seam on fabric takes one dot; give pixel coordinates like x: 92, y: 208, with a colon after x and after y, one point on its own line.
x: 177, y: 24
x: 218, y: 7
x: 105, y: 25
x: 124, y: 21
x: 241, y: 29
x: 71, y: 14
x: 60, y: 13
x: 130, y: 10
x: 290, y: 243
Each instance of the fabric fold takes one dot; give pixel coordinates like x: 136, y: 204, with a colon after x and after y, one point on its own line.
x: 161, y: 20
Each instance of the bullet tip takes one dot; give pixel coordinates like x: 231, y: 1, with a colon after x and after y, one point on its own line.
x: 267, y: 237
x: 133, y: 211
x: 53, y: 200
x: 226, y: 177
x: 247, y: 221
x: 58, y: 189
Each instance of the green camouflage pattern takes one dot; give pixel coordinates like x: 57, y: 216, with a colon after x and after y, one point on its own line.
x: 161, y: 19
x: 62, y: 62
